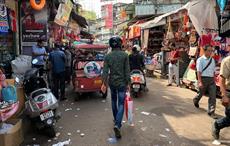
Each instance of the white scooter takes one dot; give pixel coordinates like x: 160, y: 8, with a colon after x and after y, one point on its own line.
x: 138, y: 82
x: 41, y: 105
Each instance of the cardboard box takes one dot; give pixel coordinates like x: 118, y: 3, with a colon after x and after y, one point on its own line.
x: 15, y: 136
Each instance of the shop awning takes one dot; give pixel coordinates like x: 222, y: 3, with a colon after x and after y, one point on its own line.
x: 79, y: 19
x: 151, y: 24
x: 201, y: 13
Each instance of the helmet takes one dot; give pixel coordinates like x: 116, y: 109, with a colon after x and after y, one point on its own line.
x: 138, y: 47
x: 115, y: 42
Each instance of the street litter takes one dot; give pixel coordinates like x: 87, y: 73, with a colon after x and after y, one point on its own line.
x: 49, y: 140
x: 103, y: 101
x: 216, y: 142
x: 76, y: 116
x: 78, y: 109
x: 145, y: 113
x: 69, y: 134
x: 60, y: 127
x: 140, y: 121
x: 112, y: 140
x: 106, y: 109
x: 167, y: 129
x: 123, y: 121
x: 78, y: 131
x: 144, y: 128
x: 68, y: 109
x: 137, y: 109
x: 62, y: 143
x: 34, y: 139
x: 132, y: 125
x: 72, y: 103
x: 82, y: 134
x: 58, y: 134
x: 153, y: 114
x: 161, y: 135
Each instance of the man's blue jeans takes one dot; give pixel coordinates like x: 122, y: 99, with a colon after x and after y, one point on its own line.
x: 225, y: 121
x: 118, y: 100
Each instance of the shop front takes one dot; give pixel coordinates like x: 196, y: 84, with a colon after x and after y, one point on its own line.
x: 8, y: 34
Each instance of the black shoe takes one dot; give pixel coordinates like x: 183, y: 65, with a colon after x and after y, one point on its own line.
x: 213, y: 115
x: 169, y: 85
x: 196, y: 103
x: 117, y: 132
x: 215, y: 131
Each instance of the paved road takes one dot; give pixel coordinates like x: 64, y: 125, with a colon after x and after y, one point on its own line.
x: 173, y: 121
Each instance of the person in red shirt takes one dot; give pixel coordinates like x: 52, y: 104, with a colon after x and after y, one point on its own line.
x: 174, y: 66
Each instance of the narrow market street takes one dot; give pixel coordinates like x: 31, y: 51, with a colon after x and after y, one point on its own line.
x: 169, y: 118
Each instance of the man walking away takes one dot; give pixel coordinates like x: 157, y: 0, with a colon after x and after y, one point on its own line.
x: 173, y: 66
x: 206, y: 82
x: 68, y: 65
x: 39, y: 53
x: 116, y: 74
x: 225, y: 90
x: 57, y: 59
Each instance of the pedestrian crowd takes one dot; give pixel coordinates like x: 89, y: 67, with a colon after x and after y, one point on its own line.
x: 116, y: 75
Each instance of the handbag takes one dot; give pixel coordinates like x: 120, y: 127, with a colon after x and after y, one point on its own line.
x: 9, y: 94
x: 210, y: 61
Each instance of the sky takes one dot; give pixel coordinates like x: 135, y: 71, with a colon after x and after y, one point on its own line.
x: 95, y: 5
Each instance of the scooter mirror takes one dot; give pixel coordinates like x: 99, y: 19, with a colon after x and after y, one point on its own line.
x: 17, y: 80
x: 34, y: 61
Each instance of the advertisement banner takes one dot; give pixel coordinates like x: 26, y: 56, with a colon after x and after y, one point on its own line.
x: 33, y: 26
x: 63, y: 13
x: 4, y: 26
x: 109, y: 16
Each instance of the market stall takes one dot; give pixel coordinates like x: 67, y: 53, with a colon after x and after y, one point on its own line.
x: 8, y: 31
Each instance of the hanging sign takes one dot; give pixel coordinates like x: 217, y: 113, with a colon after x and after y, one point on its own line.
x: 109, y: 16
x: 63, y: 13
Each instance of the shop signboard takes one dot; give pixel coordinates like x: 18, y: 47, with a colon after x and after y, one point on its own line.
x: 33, y: 26
x: 4, y: 26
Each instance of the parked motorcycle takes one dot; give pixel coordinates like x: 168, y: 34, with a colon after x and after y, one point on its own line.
x: 41, y: 105
x: 137, y: 82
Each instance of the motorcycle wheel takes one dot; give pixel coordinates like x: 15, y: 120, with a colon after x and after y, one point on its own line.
x: 51, y: 132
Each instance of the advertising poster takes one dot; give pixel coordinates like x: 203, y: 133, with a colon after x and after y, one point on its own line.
x: 33, y: 26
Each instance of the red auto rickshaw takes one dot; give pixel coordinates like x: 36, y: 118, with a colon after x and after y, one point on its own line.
x: 88, y: 66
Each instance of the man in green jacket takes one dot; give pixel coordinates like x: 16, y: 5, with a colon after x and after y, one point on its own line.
x: 116, y: 75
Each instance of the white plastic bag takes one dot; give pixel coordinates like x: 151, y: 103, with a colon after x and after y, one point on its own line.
x: 21, y: 64
x: 129, y: 108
